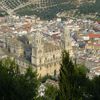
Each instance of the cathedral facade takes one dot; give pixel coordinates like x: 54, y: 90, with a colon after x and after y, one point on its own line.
x: 46, y: 54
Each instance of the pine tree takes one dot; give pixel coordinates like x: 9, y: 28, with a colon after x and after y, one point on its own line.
x: 71, y: 79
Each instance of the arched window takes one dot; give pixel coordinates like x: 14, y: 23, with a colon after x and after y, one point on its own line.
x: 55, y: 72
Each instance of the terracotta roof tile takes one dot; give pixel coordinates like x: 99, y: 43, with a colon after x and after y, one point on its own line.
x: 91, y: 35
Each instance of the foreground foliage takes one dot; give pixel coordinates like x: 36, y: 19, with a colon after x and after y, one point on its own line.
x: 74, y: 83
x: 14, y: 85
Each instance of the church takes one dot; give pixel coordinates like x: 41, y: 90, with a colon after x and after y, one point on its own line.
x: 46, y: 54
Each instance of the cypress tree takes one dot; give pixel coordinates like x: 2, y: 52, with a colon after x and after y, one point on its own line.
x: 70, y: 79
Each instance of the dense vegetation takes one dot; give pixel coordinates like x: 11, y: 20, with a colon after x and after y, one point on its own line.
x: 50, y: 13
x: 50, y: 93
x: 15, y: 85
x: 90, y: 8
x: 74, y: 83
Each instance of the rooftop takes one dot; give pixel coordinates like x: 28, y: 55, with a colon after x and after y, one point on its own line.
x: 92, y: 35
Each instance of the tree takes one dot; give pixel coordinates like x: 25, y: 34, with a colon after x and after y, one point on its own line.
x: 95, y: 88
x: 50, y: 93
x: 14, y: 85
x: 71, y: 80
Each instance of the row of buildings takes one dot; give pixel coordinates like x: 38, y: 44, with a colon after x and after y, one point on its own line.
x: 40, y: 43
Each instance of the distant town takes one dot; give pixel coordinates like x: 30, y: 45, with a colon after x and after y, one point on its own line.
x: 49, y: 49
x: 39, y: 43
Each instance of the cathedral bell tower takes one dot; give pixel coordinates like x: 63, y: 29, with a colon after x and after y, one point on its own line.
x: 67, y: 39
x: 37, y: 49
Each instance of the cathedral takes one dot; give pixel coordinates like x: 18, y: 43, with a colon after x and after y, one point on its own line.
x: 46, y: 54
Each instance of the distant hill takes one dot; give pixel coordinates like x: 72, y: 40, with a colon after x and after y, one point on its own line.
x: 90, y: 7
x: 78, y: 6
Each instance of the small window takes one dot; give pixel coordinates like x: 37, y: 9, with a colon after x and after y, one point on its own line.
x: 40, y: 61
x: 55, y: 72
x: 47, y: 66
x: 37, y: 41
x: 53, y: 56
x: 54, y: 64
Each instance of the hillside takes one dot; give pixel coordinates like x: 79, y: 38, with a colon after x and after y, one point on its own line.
x: 79, y: 9
x: 83, y: 7
x: 78, y: 6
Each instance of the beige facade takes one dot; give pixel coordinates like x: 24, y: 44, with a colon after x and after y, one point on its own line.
x: 46, y: 54
x: 14, y: 46
x: 51, y: 69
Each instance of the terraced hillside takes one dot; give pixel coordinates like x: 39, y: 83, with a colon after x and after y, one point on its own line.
x: 47, y: 9
x: 11, y: 6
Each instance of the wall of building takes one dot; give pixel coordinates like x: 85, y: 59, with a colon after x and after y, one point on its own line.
x: 50, y: 69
